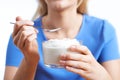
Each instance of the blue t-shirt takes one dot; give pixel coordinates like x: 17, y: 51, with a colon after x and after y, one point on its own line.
x: 97, y: 34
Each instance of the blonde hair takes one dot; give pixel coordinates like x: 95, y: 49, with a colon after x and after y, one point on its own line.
x: 42, y: 8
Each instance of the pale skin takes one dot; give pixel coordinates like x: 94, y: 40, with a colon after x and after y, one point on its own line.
x: 61, y: 12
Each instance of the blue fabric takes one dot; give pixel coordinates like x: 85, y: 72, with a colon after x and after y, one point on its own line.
x: 97, y: 34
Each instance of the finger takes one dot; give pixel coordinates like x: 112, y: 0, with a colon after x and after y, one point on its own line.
x: 16, y: 38
x: 21, y: 43
x: 31, y: 42
x: 74, y: 56
x: 80, y: 49
x: 30, y: 39
x: 76, y: 64
x: 18, y: 25
x: 24, y: 28
x: 23, y: 36
x: 31, y: 36
x: 18, y: 18
x: 22, y: 31
x: 77, y: 71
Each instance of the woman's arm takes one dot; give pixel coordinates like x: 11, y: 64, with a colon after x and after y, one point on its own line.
x: 113, y: 68
x: 10, y: 72
x: 86, y: 66
x: 24, y: 37
x: 26, y: 71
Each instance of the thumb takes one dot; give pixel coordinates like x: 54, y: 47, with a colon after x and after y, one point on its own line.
x: 18, y: 18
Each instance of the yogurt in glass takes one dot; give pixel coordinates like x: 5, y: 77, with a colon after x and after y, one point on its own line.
x: 53, y: 48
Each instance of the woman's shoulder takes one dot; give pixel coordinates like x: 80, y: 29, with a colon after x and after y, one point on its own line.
x: 93, y: 20
x: 96, y: 23
x: 38, y: 22
x: 98, y: 28
x: 38, y: 26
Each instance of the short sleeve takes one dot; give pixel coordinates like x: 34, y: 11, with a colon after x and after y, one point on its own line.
x: 13, y: 55
x: 110, y: 50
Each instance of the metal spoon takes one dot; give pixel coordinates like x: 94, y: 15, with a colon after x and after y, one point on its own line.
x: 47, y: 30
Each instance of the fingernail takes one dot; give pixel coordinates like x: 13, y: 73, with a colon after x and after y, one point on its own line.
x: 32, y: 23
x: 68, y: 68
x: 62, y: 62
x: 37, y: 31
x: 73, y: 47
x: 62, y: 56
x: 35, y: 36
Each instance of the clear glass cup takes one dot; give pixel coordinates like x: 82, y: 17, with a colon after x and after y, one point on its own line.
x: 51, y: 55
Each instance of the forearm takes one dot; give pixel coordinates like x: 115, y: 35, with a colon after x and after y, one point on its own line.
x: 113, y: 68
x: 26, y: 71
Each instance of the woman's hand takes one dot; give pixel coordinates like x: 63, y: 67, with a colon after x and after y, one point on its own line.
x: 84, y: 64
x: 24, y: 37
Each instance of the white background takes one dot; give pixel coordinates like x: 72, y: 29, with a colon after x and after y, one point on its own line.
x: 9, y: 9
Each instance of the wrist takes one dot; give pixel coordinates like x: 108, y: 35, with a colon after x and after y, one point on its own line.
x: 106, y: 76
x: 32, y: 59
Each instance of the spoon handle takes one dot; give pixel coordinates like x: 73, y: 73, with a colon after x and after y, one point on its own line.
x: 47, y: 30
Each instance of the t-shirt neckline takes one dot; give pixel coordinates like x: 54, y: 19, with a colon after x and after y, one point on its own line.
x: 76, y: 37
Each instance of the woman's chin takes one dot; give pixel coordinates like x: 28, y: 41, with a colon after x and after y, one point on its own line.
x: 60, y: 6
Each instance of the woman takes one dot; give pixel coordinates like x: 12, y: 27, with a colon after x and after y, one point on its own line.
x: 98, y: 57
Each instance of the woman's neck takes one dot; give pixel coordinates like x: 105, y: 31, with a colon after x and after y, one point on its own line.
x: 69, y: 21
x: 64, y: 19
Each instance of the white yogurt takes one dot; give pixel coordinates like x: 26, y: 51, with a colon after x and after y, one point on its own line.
x: 54, y: 47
